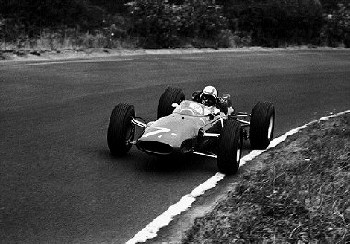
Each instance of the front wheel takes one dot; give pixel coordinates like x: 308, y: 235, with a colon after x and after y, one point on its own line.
x: 229, y: 147
x: 262, y: 125
x: 120, y: 130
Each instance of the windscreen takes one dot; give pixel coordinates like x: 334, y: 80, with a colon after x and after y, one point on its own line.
x: 191, y: 108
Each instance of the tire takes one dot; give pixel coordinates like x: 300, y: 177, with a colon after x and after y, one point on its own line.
x: 120, y: 129
x: 262, y: 125
x: 229, y: 147
x: 171, y: 95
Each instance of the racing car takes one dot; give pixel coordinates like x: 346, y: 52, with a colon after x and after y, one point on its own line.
x: 186, y: 126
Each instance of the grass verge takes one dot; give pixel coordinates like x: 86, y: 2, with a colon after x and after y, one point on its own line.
x: 300, y: 193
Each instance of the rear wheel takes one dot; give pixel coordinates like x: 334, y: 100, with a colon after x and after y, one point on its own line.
x: 171, y: 95
x: 262, y: 125
x: 229, y: 147
x: 120, y: 130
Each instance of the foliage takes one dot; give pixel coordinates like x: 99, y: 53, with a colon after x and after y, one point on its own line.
x: 179, y: 23
x: 112, y: 6
x: 276, y: 23
x: 300, y: 193
x: 32, y: 16
x: 160, y: 24
x: 337, y: 26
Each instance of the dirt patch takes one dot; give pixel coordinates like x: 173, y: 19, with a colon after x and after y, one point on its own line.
x: 65, y: 54
x: 39, y: 55
x: 299, y: 192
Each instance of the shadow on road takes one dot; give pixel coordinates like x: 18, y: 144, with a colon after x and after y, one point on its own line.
x: 173, y: 164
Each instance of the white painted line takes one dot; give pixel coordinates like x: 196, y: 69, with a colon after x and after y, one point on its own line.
x: 80, y: 61
x: 150, y: 231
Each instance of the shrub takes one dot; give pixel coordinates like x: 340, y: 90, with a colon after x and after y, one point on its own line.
x: 276, y: 23
x: 336, y: 30
x: 160, y: 24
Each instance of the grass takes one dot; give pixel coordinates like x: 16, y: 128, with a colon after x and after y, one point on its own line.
x: 301, y: 194
x: 59, y: 42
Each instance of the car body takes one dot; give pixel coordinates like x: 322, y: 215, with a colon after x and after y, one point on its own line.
x: 187, y: 126
x: 178, y: 131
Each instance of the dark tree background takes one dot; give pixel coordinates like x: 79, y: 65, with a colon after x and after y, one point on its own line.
x: 176, y: 23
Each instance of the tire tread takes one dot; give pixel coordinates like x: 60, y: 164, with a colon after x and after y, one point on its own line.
x: 230, y: 140
x: 119, y: 120
x: 259, y: 124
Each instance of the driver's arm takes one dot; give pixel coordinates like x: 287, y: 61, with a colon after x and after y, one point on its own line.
x: 224, y: 105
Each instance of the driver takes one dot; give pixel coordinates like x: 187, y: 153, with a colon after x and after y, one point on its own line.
x: 209, y: 97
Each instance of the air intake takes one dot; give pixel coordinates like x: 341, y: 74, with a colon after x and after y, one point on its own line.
x: 154, y: 147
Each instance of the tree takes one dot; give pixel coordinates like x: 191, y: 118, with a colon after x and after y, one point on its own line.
x: 274, y: 22
x: 160, y: 24
x: 336, y: 29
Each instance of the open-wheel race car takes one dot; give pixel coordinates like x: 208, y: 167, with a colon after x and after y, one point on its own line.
x: 186, y: 126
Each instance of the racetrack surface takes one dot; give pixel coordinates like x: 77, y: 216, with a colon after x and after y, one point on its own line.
x: 58, y: 182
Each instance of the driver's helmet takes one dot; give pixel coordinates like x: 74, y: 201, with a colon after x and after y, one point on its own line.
x: 208, y: 96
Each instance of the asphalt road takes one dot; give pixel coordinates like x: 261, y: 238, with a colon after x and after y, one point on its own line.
x: 58, y: 182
